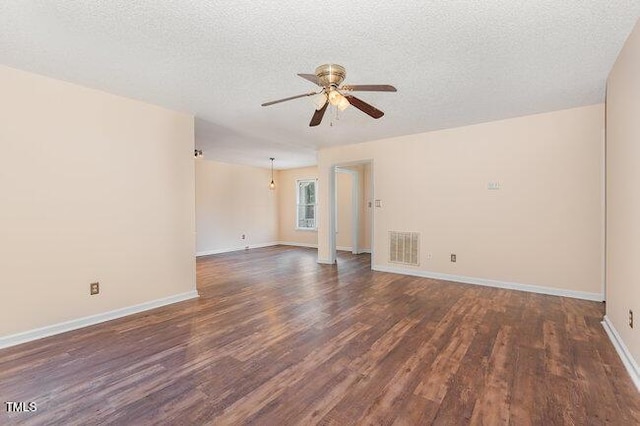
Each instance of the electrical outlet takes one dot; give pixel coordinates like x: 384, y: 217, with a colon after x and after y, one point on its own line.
x: 429, y: 256
x: 630, y: 318
x: 244, y: 236
x: 94, y: 288
x: 453, y: 257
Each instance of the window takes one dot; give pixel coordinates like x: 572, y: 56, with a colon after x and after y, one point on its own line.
x: 306, y: 204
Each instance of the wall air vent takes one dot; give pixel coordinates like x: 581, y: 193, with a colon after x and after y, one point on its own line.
x: 404, y: 247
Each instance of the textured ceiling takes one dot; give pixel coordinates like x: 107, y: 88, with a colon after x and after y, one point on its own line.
x: 454, y: 62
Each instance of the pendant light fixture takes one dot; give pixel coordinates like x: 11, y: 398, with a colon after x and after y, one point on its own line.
x: 272, y: 185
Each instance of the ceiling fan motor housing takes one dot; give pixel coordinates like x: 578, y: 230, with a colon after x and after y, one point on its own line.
x: 330, y: 75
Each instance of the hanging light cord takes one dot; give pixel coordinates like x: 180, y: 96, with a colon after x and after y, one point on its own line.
x: 272, y: 185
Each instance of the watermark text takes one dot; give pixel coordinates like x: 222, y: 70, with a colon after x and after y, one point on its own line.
x: 20, y: 407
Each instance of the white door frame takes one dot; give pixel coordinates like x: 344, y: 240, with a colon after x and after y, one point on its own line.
x: 356, y: 196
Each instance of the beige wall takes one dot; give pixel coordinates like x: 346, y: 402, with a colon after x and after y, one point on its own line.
x: 232, y: 200
x: 623, y: 195
x: 544, y: 227
x: 93, y: 187
x: 287, y: 207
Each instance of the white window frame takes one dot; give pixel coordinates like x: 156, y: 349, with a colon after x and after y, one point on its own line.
x: 315, y: 205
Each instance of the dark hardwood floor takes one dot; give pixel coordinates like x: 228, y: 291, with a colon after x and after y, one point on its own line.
x: 277, y: 339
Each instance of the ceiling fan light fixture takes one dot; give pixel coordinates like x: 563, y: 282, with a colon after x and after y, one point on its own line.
x: 319, y: 100
x: 334, y: 97
x: 343, y: 103
x: 329, y: 78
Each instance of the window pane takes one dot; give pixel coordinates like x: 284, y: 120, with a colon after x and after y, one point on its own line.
x: 301, y: 218
x: 309, y: 212
x: 307, y: 216
x: 311, y: 193
x: 310, y: 216
x: 306, y: 212
x: 307, y: 192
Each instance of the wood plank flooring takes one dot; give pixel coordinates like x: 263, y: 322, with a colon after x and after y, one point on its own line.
x: 277, y: 339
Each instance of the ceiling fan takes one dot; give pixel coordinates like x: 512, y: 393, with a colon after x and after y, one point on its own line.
x: 329, y: 77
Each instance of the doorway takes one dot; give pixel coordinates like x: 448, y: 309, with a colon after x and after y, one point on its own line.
x: 352, y: 208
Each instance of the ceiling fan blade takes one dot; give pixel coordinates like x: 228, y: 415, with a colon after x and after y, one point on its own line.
x: 369, y: 88
x: 311, y: 77
x: 364, y: 107
x: 289, y: 98
x: 317, y: 116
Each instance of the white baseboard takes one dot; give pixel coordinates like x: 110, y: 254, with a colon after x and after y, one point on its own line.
x: 50, y: 330
x: 289, y: 243
x: 239, y: 248
x: 277, y: 243
x: 361, y: 251
x: 326, y: 262
x: 627, y: 359
x: 598, y: 297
